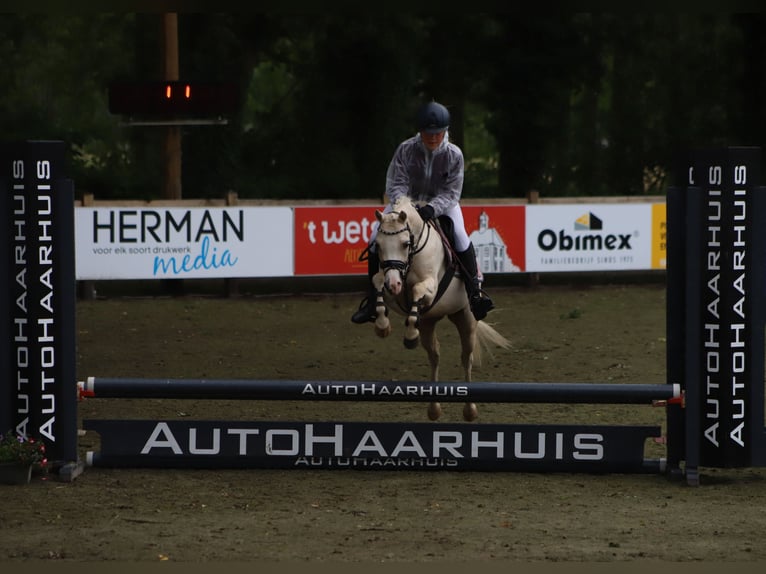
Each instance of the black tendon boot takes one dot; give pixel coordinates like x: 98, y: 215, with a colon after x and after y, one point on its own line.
x: 480, y: 302
x: 366, y: 312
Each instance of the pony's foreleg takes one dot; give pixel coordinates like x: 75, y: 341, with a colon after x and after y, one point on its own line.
x: 382, y: 324
x: 411, y: 331
x: 422, y: 293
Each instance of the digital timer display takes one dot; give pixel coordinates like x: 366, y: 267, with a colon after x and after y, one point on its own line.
x: 173, y: 99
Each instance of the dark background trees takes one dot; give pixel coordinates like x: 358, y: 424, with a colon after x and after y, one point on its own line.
x: 568, y: 104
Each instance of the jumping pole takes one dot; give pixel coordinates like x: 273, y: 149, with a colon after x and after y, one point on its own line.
x: 374, y: 445
x: 286, y: 390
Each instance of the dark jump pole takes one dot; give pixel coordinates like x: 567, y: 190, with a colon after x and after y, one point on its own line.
x: 582, y: 393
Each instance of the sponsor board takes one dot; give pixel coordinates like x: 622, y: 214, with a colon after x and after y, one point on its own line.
x: 497, y: 234
x: 183, y: 243
x: 588, y: 237
x: 216, y: 242
x: 371, y: 446
x: 330, y: 240
x: 659, y: 236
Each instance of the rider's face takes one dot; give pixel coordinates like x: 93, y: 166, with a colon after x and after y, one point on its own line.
x: 432, y: 141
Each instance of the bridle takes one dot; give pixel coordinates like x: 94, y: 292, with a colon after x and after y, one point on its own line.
x: 416, y: 246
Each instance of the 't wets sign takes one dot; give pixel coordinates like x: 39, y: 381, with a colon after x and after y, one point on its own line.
x: 329, y: 240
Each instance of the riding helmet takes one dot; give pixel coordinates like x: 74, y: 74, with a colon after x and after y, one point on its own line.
x: 432, y: 118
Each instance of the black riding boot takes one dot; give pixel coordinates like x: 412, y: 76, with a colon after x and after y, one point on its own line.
x: 366, y: 312
x: 480, y: 302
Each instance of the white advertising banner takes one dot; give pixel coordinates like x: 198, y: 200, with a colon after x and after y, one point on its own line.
x: 183, y: 243
x: 588, y: 237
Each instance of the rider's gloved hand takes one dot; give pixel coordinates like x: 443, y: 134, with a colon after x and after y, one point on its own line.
x: 426, y: 212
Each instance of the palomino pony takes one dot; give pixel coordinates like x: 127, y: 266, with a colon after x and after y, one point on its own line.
x: 417, y: 279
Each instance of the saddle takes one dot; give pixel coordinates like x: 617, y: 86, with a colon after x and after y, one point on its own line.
x: 445, y: 228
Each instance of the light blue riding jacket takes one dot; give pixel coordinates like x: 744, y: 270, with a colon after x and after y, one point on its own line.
x: 435, y: 178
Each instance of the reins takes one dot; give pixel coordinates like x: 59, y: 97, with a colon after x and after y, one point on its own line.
x: 416, y: 246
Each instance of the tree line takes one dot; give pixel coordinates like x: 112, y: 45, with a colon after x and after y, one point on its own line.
x: 569, y: 104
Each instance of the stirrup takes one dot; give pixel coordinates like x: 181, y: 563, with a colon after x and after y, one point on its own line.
x: 366, y: 312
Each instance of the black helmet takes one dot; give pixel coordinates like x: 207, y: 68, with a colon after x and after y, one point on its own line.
x: 432, y: 118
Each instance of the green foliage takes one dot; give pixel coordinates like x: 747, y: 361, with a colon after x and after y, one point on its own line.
x: 568, y: 104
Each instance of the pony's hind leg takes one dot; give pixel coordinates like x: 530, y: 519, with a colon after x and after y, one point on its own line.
x: 434, y: 411
x: 466, y: 326
x: 470, y: 412
x: 431, y: 346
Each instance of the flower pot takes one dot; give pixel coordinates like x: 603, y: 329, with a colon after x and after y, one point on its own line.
x: 15, y: 473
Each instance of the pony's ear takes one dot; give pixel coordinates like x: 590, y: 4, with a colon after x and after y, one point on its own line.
x: 379, y: 214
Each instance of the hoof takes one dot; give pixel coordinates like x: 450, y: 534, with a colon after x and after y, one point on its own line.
x: 434, y: 411
x: 411, y: 343
x: 383, y: 333
x: 470, y: 412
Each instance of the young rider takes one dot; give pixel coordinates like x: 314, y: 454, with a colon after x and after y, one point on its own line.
x: 429, y: 169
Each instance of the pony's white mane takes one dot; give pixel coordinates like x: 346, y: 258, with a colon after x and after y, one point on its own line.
x: 402, y: 210
x: 405, y: 204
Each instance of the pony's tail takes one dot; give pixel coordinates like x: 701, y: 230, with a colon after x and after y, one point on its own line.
x: 487, y: 338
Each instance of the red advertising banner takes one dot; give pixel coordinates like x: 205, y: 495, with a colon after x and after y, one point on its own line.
x: 498, y: 235
x: 329, y: 240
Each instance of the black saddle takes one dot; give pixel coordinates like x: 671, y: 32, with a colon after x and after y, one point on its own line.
x: 447, y: 233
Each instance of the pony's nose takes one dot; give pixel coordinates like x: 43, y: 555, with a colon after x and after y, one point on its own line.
x: 393, y: 283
